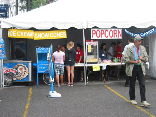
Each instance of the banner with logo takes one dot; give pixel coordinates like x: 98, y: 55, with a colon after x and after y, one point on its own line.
x: 37, y: 35
x: 58, y: 34
x: 106, y: 33
x: 15, y: 33
x: 143, y: 34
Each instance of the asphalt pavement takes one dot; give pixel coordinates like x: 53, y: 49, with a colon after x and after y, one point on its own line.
x: 97, y: 99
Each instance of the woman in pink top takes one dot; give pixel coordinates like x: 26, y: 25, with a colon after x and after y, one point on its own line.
x: 58, y: 58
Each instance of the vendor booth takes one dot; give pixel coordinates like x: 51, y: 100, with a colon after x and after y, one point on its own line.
x: 83, y: 23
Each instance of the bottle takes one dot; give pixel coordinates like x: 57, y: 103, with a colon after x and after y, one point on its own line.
x: 119, y: 59
x: 113, y: 59
x: 99, y: 60
x: 140, y: 61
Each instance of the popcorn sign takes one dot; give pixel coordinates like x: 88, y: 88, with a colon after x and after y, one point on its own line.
x: 106, y: 33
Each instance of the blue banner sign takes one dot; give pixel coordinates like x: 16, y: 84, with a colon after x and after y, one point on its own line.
x: 4, y: 10
x: 2, y: 49
x: 143, y: 34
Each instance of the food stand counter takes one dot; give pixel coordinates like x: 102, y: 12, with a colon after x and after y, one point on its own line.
x: 102, y: 65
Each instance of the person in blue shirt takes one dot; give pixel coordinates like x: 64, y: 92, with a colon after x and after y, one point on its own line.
x: 102, y: 52
x: 103, y: 56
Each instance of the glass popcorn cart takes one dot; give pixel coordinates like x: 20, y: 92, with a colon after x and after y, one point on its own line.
x: 92, y: 54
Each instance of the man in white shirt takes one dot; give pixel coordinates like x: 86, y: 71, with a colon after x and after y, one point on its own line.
x: 110, y: 51
x: 110, y: 57
x: 131, y: 43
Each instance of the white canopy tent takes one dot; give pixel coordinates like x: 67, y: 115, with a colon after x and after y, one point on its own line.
x: 83, y: 14
x: 80, y: 14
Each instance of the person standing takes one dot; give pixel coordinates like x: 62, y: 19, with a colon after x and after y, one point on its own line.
x: 118, y: 50
x: 102, y: 52
x: 110, y: 57
x: 63, y: 48
x: 131, y: 43
x: 103, y: 56
x: 58, y: 58
x: 79, y: 58
x: 70, y: 58
x: 135, y: 59
x: 111, y: 51
x: 118, y: 55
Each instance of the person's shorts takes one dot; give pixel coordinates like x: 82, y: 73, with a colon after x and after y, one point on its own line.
x: 69, y: 65
x: 59, y: 69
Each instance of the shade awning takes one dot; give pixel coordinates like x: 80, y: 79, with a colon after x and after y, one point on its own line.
x: 80, y: 14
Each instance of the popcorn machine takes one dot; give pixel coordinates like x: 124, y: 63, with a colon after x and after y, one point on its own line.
x: 92, y: 54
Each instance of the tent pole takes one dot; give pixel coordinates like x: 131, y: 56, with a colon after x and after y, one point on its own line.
x: 84, y: 58
x: 1, y: 67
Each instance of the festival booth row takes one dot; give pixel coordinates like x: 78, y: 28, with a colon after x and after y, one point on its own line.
x: 20, y: 67
x: 82, y: 26
x: 13, y: 68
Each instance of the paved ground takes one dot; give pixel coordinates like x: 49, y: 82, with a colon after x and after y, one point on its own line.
x: 94, y: 100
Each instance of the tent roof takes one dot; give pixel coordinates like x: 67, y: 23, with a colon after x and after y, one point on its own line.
x: 64, y: 14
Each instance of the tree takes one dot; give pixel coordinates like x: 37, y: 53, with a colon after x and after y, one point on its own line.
x: 38, y: 3
x: 32, y: 4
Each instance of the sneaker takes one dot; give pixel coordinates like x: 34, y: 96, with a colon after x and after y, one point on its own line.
x: 144, y: 103
x: 68, y: 84
x: 81, y: 79
x: 71, y: 85
x: 58, y: 85
x: 126, y: 85
x: 133, y: 102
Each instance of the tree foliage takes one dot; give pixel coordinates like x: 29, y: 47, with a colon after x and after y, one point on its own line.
x: 38, y: 3
x: 33, y: 4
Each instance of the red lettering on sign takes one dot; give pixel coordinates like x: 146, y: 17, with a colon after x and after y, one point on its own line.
x: 106, y: 34
x: 119, y: 33
x: 115, y: 34
x: 10, y: 70
x: 111, y: 34
x: 98, y: 33
x: 93, y: 33
x: 92, y: 43
x: 102, y: 33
